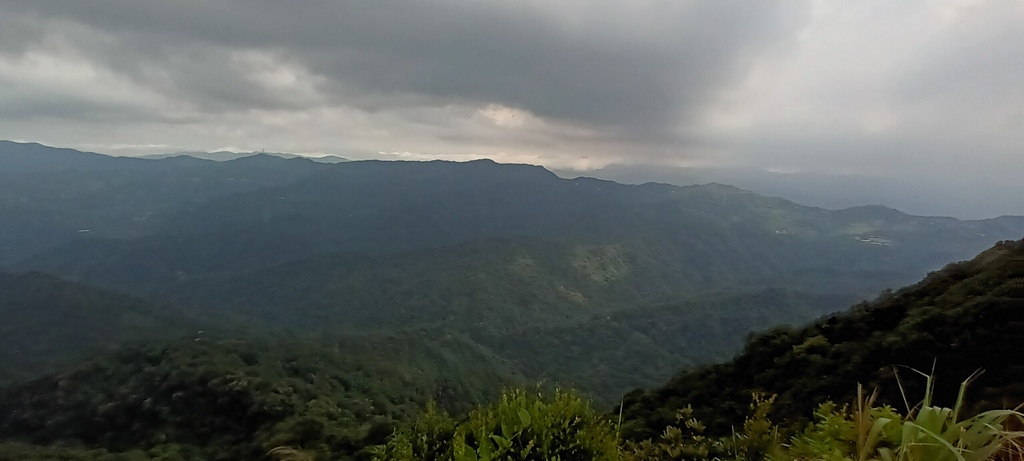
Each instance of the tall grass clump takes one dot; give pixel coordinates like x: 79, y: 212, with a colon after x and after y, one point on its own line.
x: 928, y: 432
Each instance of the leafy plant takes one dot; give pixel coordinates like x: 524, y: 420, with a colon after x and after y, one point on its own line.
x: 927, y: 433
x: 686, y: 439
x: 522, y: 425
x: 936, y: 433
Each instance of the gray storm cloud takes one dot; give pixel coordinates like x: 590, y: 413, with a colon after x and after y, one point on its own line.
x: 629, y: 65
x: 863, y: 88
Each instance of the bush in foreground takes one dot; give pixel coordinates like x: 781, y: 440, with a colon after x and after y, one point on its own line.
x: 523, y: 425
x: 529, y: 426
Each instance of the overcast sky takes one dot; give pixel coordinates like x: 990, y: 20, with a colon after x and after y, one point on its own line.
x: 868, y: 87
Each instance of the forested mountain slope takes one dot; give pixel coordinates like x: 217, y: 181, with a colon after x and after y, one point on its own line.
x: 48, y: 322
x: 540, y: 304
x: 209, y: 397
x: 965, y: 317
x: 216, y: 398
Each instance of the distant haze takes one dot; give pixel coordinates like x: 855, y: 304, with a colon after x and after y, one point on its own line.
x: 918, y: 195
x: 925, y: 94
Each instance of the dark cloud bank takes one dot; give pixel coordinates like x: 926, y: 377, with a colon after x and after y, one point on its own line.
x: 917, y: 90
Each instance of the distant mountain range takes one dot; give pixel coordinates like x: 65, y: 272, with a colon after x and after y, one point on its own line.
x: 602, y: 285
x: 920, y: 194
x: 225, y: 156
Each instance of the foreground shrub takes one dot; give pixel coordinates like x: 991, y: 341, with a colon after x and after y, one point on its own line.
x: 523, y: 426
x: 528, y: 426
x: 927, y: 433
x: 758, y: 439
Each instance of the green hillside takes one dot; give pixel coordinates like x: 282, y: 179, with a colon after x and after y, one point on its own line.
x: 759, y: 406
x: 965, y: 317
x: 607, y: 354
x: 209, y: 398
x: 540, y: 304
x: 560, y: 313
x: 48, y: 322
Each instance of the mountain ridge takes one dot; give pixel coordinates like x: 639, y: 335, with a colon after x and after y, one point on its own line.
x: 473, y: 246
x: 224, y: 156
x: 952, y: 323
